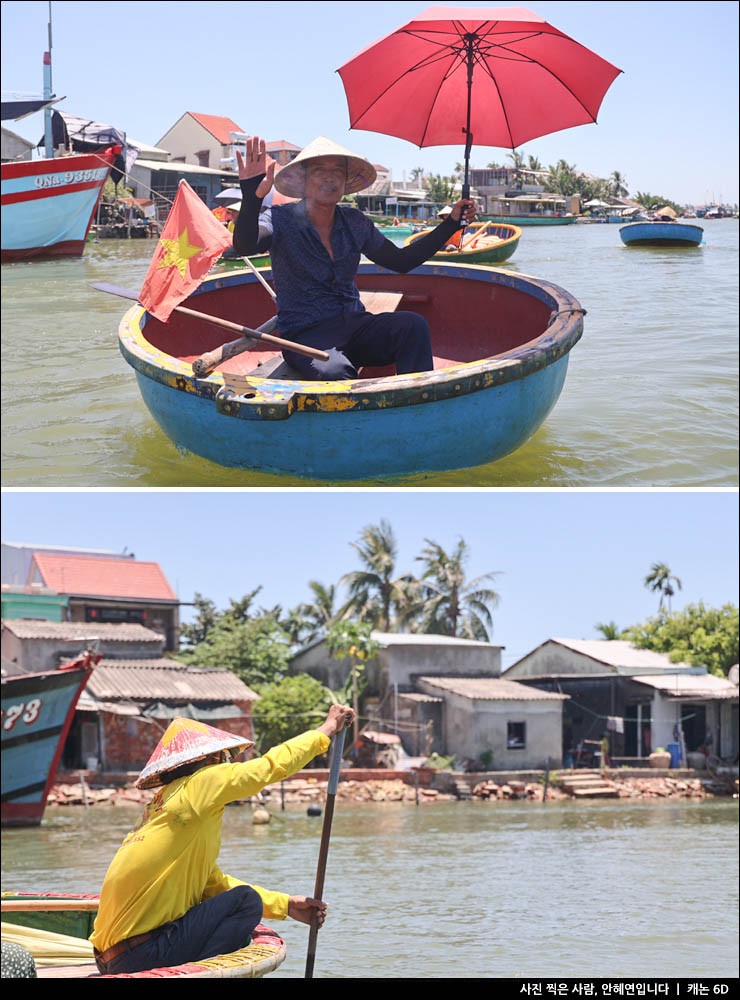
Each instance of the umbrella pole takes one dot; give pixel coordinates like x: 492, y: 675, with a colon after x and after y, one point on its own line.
x: 469, y: 46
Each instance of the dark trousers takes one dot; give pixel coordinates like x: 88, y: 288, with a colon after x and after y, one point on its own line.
x: 375, y: 339
x: 215, y: 927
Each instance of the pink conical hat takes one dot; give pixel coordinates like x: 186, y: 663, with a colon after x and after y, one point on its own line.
x: 184, y: 742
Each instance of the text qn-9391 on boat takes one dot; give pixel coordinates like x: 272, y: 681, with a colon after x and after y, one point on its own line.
x: 501, y: 343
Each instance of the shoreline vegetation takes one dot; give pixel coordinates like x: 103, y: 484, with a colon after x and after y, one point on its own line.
x: 307, y: 790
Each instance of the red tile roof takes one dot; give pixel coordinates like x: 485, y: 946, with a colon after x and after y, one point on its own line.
x: 282, y: 144
x: 93, y: 576
x: 220, y: 128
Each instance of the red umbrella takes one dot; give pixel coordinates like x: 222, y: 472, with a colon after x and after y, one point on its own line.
x: 501, y: 74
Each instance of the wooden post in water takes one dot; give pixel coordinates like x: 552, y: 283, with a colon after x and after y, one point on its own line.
x: 547, y: 780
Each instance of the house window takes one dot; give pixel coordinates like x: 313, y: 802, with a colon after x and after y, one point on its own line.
x: 204, y: 156
x: 516, y: 735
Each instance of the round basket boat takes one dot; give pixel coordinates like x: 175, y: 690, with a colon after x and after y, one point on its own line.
x: 500, y: 341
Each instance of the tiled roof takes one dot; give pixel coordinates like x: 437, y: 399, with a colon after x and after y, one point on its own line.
x: 84, y: 631
x: 281, y: 144
x: 165, y: 680
x: 220, y: 128
x: 99, y: 577
x: 491, y: 689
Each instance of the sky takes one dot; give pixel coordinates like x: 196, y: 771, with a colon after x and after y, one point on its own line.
x: 668, y: 123
x: 566, y: 559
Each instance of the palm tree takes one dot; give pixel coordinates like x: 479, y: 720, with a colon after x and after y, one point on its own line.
x: 417, y: 175
x: 517, y: 160
x: 617, y: 185
x: 314, y: 617
x: 660, y: 578
x: 449, y: 604
x: 375, y: 592
x: 610, y: 630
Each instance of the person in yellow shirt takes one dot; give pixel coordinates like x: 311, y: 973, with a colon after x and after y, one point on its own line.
x: 164, y: 900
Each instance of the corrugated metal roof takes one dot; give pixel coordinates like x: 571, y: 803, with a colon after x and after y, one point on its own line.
x: 416, y: 696
x: 95, y: 576
x: 165, y: 680
x: 81, y: 631
x: 491, y: 689
x: 618, y: 653
x: 179, y: 166
x: 706, y: 687
x: 426, y: 639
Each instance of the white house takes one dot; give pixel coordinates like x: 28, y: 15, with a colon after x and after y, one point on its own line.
x: 638, y: 697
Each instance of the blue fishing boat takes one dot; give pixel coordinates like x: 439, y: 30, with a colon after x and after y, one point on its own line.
x: 37, y: 712
x: 500, y: 341
x: 661, y: 234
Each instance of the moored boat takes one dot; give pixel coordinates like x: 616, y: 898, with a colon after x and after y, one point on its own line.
x: 533, y: 219
x: 500, y: 341
x: 479, y: 243
x: 54, y: 928
x: 236, y: 263
x: 37, y: 712
x: 661, y: 234
x: 48, y: 205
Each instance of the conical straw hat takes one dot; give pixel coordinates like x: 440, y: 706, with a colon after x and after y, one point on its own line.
x: 291, y: 180
x: 184, y: 742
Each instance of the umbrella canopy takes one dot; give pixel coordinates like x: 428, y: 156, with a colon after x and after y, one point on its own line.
x: 229, y: 195
x: 499, y: 75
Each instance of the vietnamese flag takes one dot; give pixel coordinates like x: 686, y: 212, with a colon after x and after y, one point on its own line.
x: 191, y: 240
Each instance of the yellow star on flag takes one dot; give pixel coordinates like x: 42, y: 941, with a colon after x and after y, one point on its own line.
x: 178, y: 252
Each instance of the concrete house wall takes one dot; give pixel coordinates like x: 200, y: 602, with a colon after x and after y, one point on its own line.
x: 475, y: 726
x: 187, y: 137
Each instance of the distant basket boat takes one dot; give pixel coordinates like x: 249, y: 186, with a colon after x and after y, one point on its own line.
x: 661, y: 234
x: 54, y: 928
x: 479, y: 243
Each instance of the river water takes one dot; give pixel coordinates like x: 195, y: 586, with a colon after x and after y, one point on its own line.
x: 650, y: 399
x: 471, y: 889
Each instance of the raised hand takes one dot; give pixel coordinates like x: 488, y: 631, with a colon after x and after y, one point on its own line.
x: 255, y: 163
x: 339, y: 716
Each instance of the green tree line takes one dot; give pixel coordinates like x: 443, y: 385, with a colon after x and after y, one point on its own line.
x: 257, y: 643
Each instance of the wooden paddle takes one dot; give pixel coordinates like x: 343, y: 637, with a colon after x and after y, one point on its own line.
x: 335, y: 764
x: 245, y: 331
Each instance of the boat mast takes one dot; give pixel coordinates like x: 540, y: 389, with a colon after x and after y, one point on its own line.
x: 48, y: 140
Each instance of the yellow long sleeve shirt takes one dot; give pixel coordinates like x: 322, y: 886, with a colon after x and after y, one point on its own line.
x: 168, y: 863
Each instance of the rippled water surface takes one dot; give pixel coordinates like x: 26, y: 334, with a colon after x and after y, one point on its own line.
x: 462, y: 889
x: 650, y: 398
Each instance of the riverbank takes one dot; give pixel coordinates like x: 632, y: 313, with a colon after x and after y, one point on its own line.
x: 89, y: 789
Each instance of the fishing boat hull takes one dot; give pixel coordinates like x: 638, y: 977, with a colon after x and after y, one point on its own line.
x: 480, y: 243
x: 533, y: 220
x: 37, y: 712
x: 501, y: 343
x: 29, y: 917
x: 48, y: 205
x: 661, y: 234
